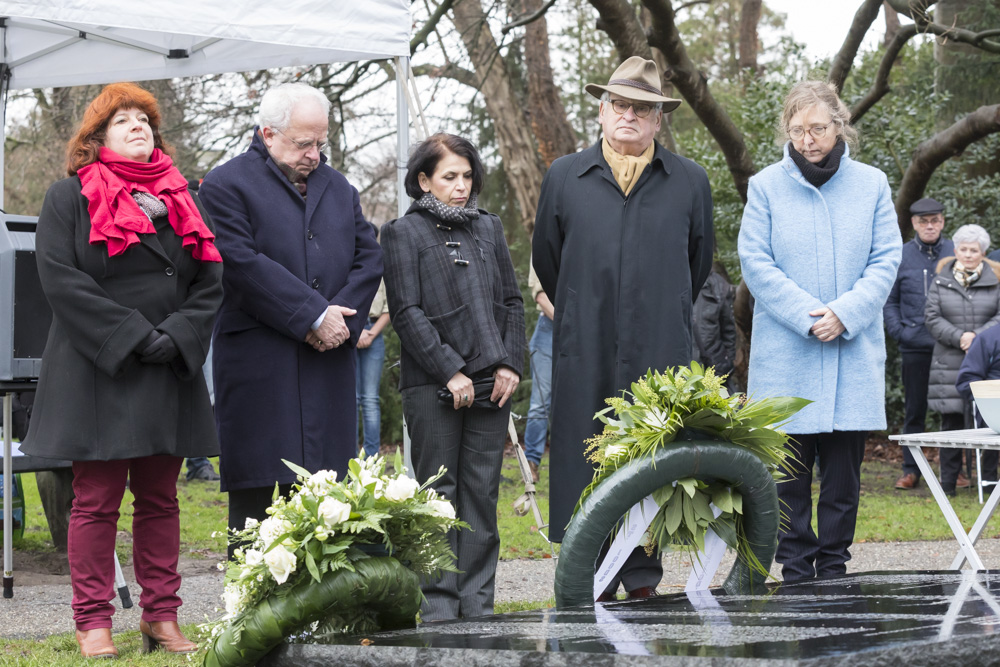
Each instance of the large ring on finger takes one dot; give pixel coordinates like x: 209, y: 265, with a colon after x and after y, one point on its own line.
x: 465, y: 397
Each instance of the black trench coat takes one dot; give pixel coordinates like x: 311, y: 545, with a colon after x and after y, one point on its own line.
x: 622, y: 274
x: 95, y: 400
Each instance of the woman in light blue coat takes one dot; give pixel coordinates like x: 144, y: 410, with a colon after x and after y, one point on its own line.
x: 819, y: 245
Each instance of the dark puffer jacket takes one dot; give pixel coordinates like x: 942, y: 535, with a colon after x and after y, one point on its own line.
x: 951, y: 311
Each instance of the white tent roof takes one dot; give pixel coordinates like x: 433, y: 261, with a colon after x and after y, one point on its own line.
x: 74, y: 42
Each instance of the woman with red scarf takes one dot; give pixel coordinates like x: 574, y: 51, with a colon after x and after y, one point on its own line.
x: 128, y: 264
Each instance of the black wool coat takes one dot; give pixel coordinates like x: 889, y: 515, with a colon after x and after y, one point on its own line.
x: 452, y: 317
x: 95, y: 399
x: 285, y: 260
x: 622, y: 273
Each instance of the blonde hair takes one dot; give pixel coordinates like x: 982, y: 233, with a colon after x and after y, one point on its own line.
x: 807, y: 94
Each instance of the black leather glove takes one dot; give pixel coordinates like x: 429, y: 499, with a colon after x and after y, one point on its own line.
x: 161, y: 351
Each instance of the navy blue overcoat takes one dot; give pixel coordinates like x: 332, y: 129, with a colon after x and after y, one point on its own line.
x: 285, y: 259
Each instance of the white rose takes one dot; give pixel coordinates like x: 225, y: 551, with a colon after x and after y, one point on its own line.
x: 254, y: 558
x: 442, y: 508
x: 334, y: 512
x: 368, y: 478
x: 250, y: 523
x: 232, y: 596
x: 272, y: 528
x: 322, y: 479
x: 281, y: 562
x: 401, y: 488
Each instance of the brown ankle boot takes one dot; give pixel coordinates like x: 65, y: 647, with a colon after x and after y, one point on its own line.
x: 165, y: 634
x: 96, y: 643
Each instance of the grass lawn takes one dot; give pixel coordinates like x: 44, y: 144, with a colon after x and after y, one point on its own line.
x: 888, y: 515
x: 885, y: 515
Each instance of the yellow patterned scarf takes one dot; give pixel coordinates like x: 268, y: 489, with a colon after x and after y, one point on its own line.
x: 626, y: 168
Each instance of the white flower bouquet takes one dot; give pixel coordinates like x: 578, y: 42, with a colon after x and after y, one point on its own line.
x: 334, y: 557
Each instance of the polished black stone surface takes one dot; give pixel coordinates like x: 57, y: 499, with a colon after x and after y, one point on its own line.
x: 932, y: 618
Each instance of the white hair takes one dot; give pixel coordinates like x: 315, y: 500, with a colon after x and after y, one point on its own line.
x: 972, y: 234
x: 606, y: 97
x: 275, y: 110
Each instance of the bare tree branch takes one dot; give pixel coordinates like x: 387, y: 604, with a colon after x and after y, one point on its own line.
x: 619, y: 21
x: 527, y: 18
x: 932, y: 153
x: 449, y: 71
x: 917, y: 11
x: 842, y: 62
x: 428, y: 27
x: 880, y: 86
x: 692, y: 3
x: 692, y: 85
x: 891, y: 23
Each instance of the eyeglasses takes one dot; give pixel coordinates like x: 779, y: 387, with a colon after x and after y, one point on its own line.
x: 924, y: 220
x: 305, y: 145
x: 640, y: 109
x: 817, y: 131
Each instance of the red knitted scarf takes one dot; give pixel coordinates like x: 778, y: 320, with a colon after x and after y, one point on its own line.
x: 117, y: 220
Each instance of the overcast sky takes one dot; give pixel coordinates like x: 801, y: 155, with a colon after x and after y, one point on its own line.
x: 822, y: 24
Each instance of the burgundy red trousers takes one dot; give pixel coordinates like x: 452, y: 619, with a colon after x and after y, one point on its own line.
x: 99, y: 487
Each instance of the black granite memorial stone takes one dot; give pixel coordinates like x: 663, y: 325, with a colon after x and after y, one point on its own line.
x: 879, y: 618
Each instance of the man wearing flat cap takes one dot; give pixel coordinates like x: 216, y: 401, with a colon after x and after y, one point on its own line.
x: 904, y: 319
x: 623, y: 242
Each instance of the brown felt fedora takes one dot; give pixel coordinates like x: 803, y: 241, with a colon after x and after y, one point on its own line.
x: 635, y: 79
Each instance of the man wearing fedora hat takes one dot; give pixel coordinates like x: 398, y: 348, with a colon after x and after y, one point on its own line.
x: 623, y: 241
x: 904, y: 320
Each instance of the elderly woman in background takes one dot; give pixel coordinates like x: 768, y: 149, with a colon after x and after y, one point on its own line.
x: 455, y: 303
x: 127, y: 262
x: 963, y: 301
x: 819, y: 245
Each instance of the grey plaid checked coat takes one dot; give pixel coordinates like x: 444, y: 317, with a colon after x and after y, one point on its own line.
x: 452, y: 316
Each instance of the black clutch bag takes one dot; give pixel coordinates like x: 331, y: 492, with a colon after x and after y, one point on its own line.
x: 483, y: 387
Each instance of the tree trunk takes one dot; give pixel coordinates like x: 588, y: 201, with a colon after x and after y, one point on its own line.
x: 514, y: 138
x: 749, y: 18
x: 548, y: 115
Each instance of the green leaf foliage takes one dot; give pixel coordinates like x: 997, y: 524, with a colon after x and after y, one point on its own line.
x: 651, y: 415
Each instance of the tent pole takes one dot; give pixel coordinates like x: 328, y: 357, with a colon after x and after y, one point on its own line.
x: 4, y: 88
x: 402, y: 134
x: 402, y: 201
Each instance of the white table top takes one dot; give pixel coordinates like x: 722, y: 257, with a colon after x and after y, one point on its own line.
x: 970, y: 438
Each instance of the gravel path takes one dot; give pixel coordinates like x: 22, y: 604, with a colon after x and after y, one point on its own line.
x: 41, y: 607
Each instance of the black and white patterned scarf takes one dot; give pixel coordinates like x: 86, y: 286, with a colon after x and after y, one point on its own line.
x: 453, y: 214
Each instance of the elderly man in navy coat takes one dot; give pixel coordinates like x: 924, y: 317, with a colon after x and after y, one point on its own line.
x: 904, y: 319
x: 300, y: 269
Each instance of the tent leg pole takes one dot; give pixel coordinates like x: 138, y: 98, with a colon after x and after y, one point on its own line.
x: 402, y: 201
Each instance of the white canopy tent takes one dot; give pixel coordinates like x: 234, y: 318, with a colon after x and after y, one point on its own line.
x: 48, y: 43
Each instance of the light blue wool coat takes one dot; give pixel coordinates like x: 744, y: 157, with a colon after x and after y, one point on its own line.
x: 802, y: 248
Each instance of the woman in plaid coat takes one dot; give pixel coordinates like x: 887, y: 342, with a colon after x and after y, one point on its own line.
x: 455, y: 303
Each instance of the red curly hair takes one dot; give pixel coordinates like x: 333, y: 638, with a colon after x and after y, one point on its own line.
x: 85, y: 147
